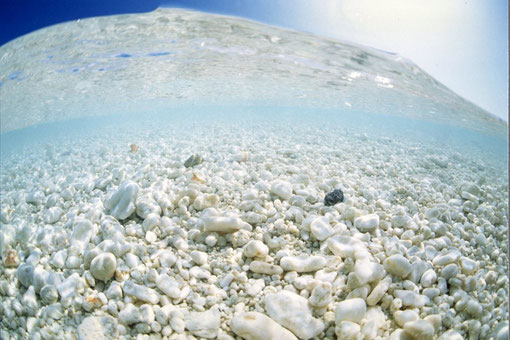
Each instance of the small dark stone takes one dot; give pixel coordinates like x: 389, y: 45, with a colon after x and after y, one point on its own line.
x: 193, y: 160
x: 334, y: 197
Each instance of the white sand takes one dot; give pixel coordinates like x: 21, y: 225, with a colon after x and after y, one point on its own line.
x: 444, y: 212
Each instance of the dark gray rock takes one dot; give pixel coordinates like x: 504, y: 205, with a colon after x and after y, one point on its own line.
x: 193, y: 160
x: 334, y: 197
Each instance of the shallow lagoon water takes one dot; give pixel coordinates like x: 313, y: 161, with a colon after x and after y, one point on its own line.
x: 417, y: 249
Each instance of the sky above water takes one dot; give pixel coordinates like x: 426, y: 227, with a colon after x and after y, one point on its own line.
x: 461, y: 43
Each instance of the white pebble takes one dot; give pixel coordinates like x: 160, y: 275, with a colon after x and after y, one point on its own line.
x: 121, y: 203
x: 103, y: 266
x: 282, y: 189
x: 168, y: 285
x: 70, y: 287
x: 292, y: 312
x: 199, y: 273
x: 223, y: 224
x: 451, y: 335
x: 130, y: 315
x: 347, y: 330
x: 211, y: 240
x: 257, y: 326
x: 401, y: 317
x: 345, y: 246
x: 205, y: 201
x: 167, y: 259
x: 450, y: 271
x: 350, y: 310
x: 410, y: 298
x: 474, y: 308
x: 420, y: 329
x: 468, y: 266
x: 98, y: 328
x: 256, y: 248
x: 150, y: 237
x: 59, y: 258
x: 428, y: 278
x: 379, y: 291
x: 145, y: 206
x: 321, y: 295
x: 397, y: 265
x: 444, y: 259
x: 255, y: 287
x: 48, y: 294
x: 142, y: 293
x: 25, y: 274
x: 199, y: 257
x: 203, y: 324
x: 265, y: 268
x: 303, y: 263
x: 367, y: 223
x: 321, y: 229
x: 368, y: 271
x: 52, y: 215
x: 83, y: 232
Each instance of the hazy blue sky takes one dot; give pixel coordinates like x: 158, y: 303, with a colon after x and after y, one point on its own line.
x: 462, y: 43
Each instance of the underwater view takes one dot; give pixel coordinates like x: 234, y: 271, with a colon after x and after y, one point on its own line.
x: 185, y: 175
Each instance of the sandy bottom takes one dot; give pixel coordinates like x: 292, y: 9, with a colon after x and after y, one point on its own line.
x: 418, y: 247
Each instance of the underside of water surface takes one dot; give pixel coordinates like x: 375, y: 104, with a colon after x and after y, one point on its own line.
x: 182, y: 175
x: 175, y: 58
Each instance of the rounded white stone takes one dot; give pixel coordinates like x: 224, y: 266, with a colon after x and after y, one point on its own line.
x: 302, y: 264
x: 265, y: 268
x: 292, y: 312
x: 52, y: 215
x: 428, y: 278
x: 451, y: 335
x: 142, y: 293
x: 223, y: 224
x: 474, y: 308
x: 145, y: 206
x: 25, y: 274
x: 83, y: 232
x: 168, y: 285
x: 103, y: 266
x: 203, y: 324
x: 397, y: 265
x: 257, y: 326
x: 321, y: 295
x: 402, y: 317
x: 151, y: 237
x: 345, y: 246
x: 347, y: 330
x: 211, y: 240
x: 379, y: 291
x: 350, y: 310
x: 321, y: 229
x: 420, y: 329
x: 450, y: 271
x: 410, y: 298
x: 167, y: 259
x: 121, y: 202
x: 282, y: 189
x: 444, y: 259
x: 48, y: 294
x: 98, y: 328
x: 205, y: 201
x: 256, y: 248
x: 199, y: 257
x: 468, y: 266
x: 130, y: 314
x: 367, y: 223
